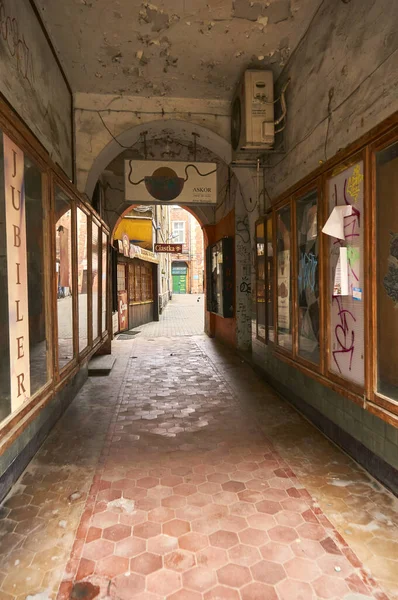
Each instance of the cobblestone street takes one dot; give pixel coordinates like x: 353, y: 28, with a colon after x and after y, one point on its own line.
x: 183, y: 476
x: 183, y: 315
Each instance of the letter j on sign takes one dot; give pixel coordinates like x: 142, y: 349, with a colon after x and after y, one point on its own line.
x: 17, y: 273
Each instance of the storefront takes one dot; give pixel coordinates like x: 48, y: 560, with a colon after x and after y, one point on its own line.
x: 136, y: 285
x: 327, y: 277
x: 53, y: 276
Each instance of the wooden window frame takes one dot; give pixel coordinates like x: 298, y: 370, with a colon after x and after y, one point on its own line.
x: 261, y: 339
x: 104, y: 331
x: 299, y: 195
x: 98, y: 223
x: 287, y: 202
x: 12, y: 426
x: 64, y: 371
x: 364, y: 149
x: 359, y: 390
x: 86, y: 350
x: 379, y: 403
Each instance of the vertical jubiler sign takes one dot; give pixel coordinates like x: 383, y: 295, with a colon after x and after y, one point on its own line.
x: 17, y: 273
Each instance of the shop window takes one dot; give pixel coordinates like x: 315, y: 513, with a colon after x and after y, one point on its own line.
x: 308, y: 277
x: 269, y: 282
x: 95, y: 284
x: 346, y: 277
x: 121, y: 277
x: 25, y: 365
x: 82, y: 284
x: 104, y: 280
x: 178, y: 232
x: 260, y: 281
x: 387, y: 270
x: 63, y: 244
x: 284, y: 278
x: 220, y: 278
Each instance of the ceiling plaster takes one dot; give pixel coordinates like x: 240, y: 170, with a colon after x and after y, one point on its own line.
x: 174, y: 48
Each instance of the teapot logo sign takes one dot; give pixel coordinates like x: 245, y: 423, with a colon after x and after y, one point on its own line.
x: 168, y: 181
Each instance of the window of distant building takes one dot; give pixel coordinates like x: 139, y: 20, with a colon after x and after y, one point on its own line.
x: 178, y: 232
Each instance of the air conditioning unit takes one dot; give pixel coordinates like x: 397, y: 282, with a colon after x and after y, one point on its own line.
x: 252, y: 121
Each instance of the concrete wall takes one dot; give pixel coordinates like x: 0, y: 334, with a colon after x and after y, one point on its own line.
x: 32, y: 81
x: 344, y: 81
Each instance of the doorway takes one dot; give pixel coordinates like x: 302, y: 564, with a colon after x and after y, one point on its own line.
x: 179, y: 271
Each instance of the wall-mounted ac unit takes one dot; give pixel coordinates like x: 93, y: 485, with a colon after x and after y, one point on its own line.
x: 252, y: 121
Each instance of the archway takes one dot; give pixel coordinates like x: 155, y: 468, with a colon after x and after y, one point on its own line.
x: 237, y: 187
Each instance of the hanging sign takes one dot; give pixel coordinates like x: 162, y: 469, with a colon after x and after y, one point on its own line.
x: 185, y: 183
x: 172, y: 248
x: 126, y: 245
x: 123, y: 310
x: 17, y: 273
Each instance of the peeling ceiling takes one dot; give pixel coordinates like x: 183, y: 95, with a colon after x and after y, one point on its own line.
x: 175, y: 48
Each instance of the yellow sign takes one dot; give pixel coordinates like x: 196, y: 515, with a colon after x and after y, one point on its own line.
x: 354, y: 183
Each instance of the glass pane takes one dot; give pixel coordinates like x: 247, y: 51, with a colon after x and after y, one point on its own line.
x: 308, y: 277
x: 260, y: 280
x: 5, y: 380
x: 39, y: 367
x: 217, y: 278
x: 63, y: 262
x: 82, y: 229
x: 95, y: 282
x: 346, y: 277
x: 284, y: 278
x: 270, y: 281
x: 387, y: 270
x: 104, y: 275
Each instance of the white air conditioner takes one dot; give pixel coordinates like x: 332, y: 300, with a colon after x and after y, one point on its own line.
x: 252, y: 121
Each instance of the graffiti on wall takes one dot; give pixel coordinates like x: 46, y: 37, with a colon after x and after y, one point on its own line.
x: 347, y: 312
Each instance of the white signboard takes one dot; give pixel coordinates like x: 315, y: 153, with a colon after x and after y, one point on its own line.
x: 174, y: 182
x: 17, y: 273
x: 32, y: 82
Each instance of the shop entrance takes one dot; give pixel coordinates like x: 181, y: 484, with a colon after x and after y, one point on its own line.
x: 179, y: 272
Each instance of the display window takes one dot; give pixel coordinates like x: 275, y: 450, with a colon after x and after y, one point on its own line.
x: 45, y: 275
x: 25, y: 353
x: 329, y: 272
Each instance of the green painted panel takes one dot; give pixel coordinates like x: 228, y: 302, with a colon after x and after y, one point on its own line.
x: 179, y: 284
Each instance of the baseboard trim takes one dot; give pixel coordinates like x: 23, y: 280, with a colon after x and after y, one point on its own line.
x: 381, y: 470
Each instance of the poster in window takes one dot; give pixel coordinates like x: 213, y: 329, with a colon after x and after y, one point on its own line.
x: 346, y: 356
x: 284, y: 289
x: 123, y: 310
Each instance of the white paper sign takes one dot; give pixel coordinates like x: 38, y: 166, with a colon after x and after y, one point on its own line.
x: 170, y: 182
x: 340, y: 287
x: 17, y: 274
x: 334, y: 226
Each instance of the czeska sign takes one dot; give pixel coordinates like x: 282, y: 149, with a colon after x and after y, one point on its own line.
x: 163, y: 182
x: 172, y: 248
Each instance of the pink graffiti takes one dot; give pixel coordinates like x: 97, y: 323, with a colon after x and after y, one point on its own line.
x: 344, y: 333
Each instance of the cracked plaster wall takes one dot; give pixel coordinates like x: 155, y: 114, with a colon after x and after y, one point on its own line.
x: 344, y: 81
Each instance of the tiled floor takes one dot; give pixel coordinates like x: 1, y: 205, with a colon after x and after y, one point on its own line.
x: 183, y: 315
x: 182, y: 476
